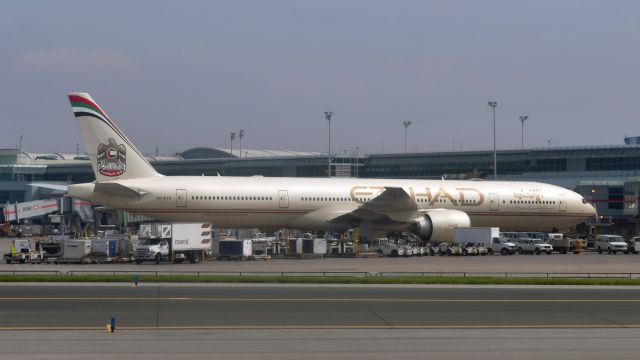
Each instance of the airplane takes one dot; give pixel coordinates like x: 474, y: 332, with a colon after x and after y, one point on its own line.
x: 430, y: 209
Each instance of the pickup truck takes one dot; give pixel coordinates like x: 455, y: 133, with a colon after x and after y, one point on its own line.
x: 534, y: 246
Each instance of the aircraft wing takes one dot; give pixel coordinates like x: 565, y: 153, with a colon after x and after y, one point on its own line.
x: 392, y: 205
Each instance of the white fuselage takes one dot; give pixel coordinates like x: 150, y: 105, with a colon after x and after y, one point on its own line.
x: 309, y: 203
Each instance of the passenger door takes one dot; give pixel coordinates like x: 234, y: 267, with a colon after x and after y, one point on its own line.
x: 181, y: 198
x: 493, y: 202
x: 562, y: 202
x: 283, y: 197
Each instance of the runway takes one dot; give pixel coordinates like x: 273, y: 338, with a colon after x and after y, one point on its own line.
x: 240, y: 306
x: 283, y: 321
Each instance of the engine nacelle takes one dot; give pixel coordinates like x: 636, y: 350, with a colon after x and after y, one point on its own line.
x: 438, y: 225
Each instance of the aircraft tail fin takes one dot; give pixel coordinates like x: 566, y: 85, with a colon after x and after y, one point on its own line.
x: 113, y: 156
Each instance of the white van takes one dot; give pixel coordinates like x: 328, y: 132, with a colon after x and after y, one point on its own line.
x: 611, y: 244
x: 634, y: 244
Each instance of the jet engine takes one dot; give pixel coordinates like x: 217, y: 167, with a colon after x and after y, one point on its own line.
x: 438, y: 225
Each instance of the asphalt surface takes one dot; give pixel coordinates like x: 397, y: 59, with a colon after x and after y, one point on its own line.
x: 569, y: 263
x: 279, y: 307
x: 282, y: 321
x: 458, y: 344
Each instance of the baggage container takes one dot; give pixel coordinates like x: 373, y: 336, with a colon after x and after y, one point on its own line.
x: 76, y: 249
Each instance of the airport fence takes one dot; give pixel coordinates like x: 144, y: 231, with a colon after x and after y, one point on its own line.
x: 548, y: 275
x: 31, y: 272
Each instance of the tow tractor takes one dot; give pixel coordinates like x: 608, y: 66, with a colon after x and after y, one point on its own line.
x: 22, y: 252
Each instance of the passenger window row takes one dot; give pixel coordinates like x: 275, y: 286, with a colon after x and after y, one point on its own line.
x: 531, y: 202
x: 324, y: 199
x: 237, y: 198
x: 444, y: 200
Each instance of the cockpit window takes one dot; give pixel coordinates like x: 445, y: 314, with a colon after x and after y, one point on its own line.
x: 584, y: 201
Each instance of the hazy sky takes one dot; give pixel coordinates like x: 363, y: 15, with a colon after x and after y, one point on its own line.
x: 181, y: 74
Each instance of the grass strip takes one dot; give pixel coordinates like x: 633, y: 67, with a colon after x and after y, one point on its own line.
x: 475, y: 280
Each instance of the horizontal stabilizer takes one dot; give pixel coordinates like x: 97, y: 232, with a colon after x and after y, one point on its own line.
x: 117, y: 189
x: 58, y: 187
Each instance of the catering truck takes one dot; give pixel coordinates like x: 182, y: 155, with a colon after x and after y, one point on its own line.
x: 174, y: 242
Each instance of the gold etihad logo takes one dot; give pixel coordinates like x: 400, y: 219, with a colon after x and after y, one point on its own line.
x: 457, y: 197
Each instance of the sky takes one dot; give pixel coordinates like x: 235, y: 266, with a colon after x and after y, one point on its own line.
x: 181, y: 74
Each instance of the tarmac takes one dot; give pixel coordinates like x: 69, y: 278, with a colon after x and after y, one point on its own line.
x: 586, y: 262
x: 242, y: 321
x: 445, y: 344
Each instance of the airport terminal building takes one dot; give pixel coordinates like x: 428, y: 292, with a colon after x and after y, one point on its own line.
x: 608, y: 176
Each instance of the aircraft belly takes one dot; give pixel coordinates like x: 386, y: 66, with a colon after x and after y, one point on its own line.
x: 524, y: 222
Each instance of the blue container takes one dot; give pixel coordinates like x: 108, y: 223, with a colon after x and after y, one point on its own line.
x: 112, y: 248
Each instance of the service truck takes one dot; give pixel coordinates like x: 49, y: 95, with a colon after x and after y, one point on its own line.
x: 564, y: 244
x: 490, y: 237
x: 174, y: 242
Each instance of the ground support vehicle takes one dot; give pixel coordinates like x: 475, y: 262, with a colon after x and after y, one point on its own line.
x: 391, y: 249
x: 175, y: 242
x: 233, y: 249
x: 564, y: 245
x: 449, y: 249
x: 476, y: 235
x: 410, y: 249
x: 6, y: 230
x: 633, y: 244
x: 22, y: 251
x: 469, y: 249
x: 611, y: 244
x: 534, y: 246
x: 482, y: 249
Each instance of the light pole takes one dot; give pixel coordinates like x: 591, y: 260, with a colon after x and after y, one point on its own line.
x: 232, y: 136
x: 240, y: 136
x: 522, y: 120
x: 406, y: 125
x: 382, y: 144
x: 328, y: 115
x: 493, y: 105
